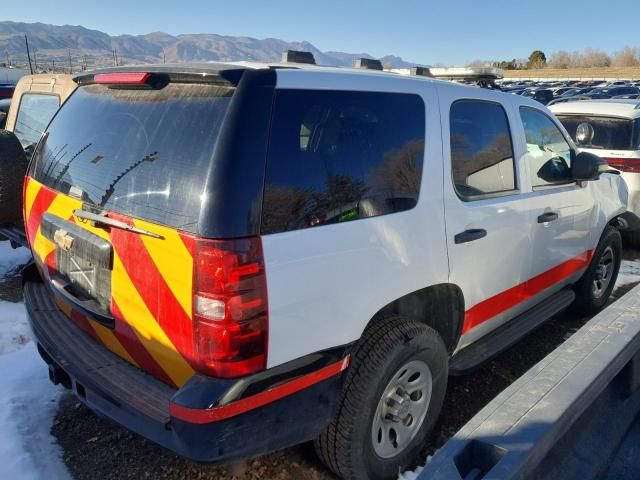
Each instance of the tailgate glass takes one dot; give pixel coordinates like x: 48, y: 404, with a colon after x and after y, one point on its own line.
x: 142, y: 153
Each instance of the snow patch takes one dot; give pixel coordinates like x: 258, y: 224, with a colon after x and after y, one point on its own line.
x: 29, y: 402
x: 11, y: 258
x: 413, y: 475
x: 629, y: 273
x: 14, y: 329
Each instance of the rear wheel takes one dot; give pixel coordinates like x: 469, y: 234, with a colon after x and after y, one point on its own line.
x: 595, y: 286
x: 13, y: 167
x: 393, y: 394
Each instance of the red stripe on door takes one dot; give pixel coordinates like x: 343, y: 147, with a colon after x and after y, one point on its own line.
x: 489, y: 308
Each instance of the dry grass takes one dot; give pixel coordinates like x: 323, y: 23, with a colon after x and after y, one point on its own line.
x: 587, y: 73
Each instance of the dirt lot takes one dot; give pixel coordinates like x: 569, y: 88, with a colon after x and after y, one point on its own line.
x: 95, y: 448
x: 610, y: 72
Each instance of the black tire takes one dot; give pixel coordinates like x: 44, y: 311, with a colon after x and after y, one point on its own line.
x: 346, y: 446
x: 632, y: 238
x: 587, y: 302
x: 13, y: 167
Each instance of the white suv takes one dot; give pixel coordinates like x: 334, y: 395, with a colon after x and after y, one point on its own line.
x: 231, y: 259
x: 610, y: 129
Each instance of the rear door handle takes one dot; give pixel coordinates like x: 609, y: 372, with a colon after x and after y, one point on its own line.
x: 470, y: 235
x: 547, y: 217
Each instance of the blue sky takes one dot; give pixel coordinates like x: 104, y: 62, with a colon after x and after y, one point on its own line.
x: 426, y: 31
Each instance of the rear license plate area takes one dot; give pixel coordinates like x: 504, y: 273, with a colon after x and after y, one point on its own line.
x: 84, y: 262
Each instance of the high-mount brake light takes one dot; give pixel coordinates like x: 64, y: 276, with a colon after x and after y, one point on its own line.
x: 230, y: 307
x: 122, y: 78
x: 630, y: 165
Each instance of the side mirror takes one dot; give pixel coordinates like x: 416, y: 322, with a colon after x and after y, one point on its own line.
x: 586, y: 166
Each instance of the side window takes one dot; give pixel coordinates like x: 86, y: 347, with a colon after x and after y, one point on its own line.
x: 337, y: 156
x: 481, y: 149
x: 548, y: 153
x: 34, y: 114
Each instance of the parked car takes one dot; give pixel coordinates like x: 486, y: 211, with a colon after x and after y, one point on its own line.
x: 6, y: 90
x: 629, y: 96
x: 576, y: 91
x: 610, y: 128
x: 561, y: 90
x: 542, y: 95
x: 36, y: 99
x: 608, y: 92
x: 279, y: 269
x: 4, y: 108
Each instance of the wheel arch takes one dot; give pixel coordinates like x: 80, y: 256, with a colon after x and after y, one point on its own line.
x: 440, y: 306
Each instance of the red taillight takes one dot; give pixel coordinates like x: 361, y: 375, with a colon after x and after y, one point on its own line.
x: 230, y: 307
x: 631, y: 165
x: 122, y: 78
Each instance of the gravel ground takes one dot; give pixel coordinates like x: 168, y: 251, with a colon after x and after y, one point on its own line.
x: 96, y: 448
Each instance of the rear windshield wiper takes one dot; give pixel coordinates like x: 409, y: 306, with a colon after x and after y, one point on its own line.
x: 104, y: 220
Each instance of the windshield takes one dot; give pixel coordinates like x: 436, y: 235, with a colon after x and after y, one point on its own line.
x: 604, y: 132
x: 143, y: 153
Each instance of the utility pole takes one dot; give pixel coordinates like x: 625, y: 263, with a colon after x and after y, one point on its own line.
x: 8, y: 61
x: 164, y: 58
x: 26, y: 41
x: 70, y: 64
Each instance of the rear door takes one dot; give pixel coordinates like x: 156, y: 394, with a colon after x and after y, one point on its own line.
x: 487, y: 221
x: 139, y: 157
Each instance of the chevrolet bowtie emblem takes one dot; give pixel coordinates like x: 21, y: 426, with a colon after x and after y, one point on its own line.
x: 63, y: 240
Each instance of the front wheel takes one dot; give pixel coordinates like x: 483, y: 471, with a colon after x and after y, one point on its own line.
x: 393, y: 394
x: 595, y: 286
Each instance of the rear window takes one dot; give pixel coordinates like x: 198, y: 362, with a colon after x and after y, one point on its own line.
x: 607, y: 133
x: 34, y: 114
x: 143, y: 153
x: 337, y: 156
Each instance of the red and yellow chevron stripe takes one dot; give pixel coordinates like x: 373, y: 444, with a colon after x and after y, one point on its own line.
x: 151, y: 288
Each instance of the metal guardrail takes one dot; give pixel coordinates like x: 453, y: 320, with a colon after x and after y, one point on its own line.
x: 572, y: 416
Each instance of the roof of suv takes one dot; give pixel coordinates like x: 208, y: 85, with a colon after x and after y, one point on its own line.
x: 232, y: 71
x: 616, y: 107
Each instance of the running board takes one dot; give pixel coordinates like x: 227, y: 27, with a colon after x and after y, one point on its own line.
x: 487, y: 347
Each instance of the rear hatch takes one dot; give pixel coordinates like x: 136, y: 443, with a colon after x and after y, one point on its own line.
x: 615, y: 139
x: 113, y: 203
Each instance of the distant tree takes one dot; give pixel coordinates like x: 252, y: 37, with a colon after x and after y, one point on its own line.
x: 560, y: 59
x: 537, y: 59
x: 627, y: 57
x: 595, y: 58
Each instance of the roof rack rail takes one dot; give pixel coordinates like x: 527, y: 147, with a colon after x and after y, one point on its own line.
x: 421, y: 71
x: 367, y: 63
x: 298, y: 56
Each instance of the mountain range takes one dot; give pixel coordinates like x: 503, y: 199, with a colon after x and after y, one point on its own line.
x: 51, y: 44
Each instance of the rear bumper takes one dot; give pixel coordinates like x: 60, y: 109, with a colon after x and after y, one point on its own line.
x: 206, y: 420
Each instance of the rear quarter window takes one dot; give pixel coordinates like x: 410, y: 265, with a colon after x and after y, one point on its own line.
x: 338, y: 156
x: 482, y: 160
